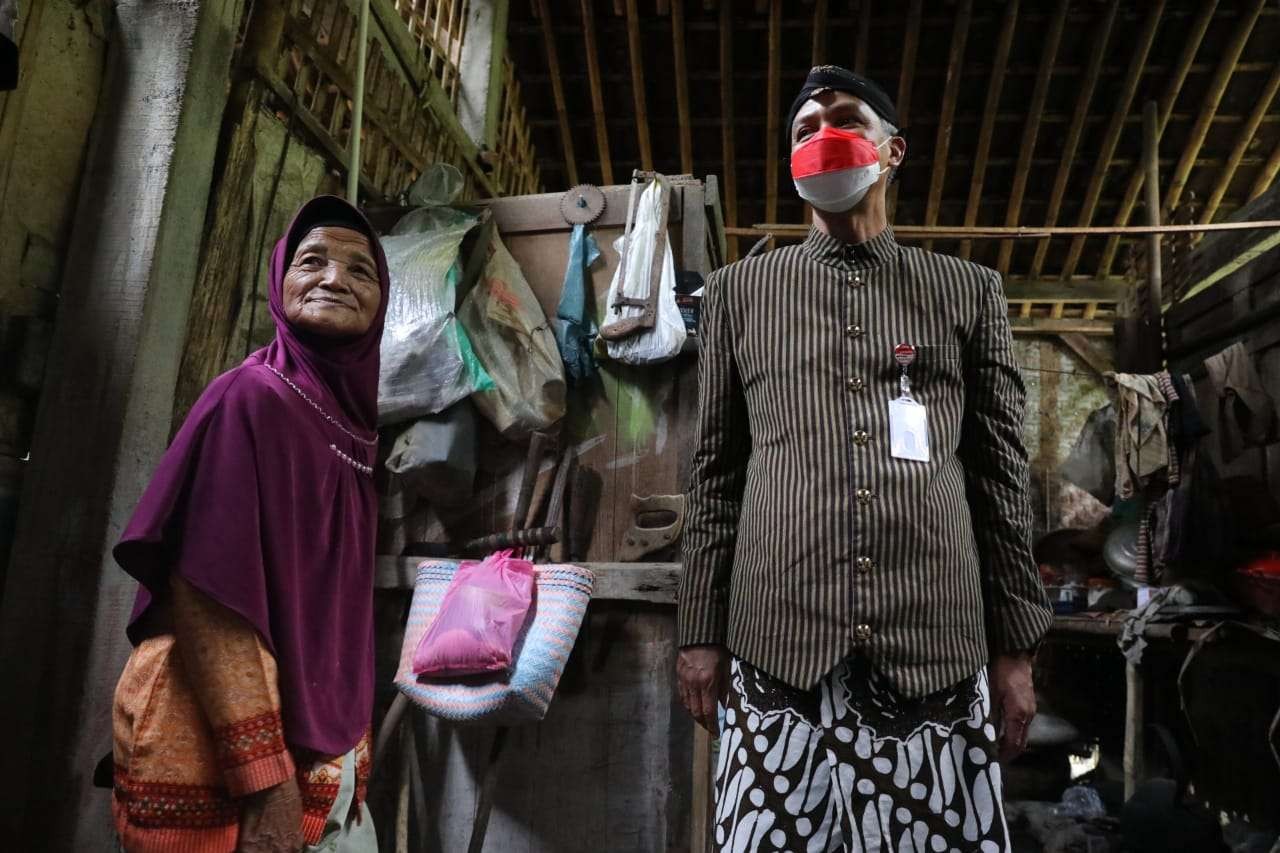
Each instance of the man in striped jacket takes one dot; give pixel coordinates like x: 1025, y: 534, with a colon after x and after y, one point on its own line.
x: 858, y: 595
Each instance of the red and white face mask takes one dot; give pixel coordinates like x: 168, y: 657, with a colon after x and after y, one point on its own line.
x: 834, y: 168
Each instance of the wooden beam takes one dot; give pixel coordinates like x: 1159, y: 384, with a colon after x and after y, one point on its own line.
x: 1267, y: 174
x: 1027, y: 146
x: 1209, y: 106
x: 1026, y: 232
x: 819, y: 54
x: 994, y: 87
x: 1243, y: 140
x: 557, y: 92
x: 597, y: 90
x: 1075, y: 129
x: 1052, y: 326
x: 682, y: 87
x: 1151, y: 185
x: 726, y: 125
x: 910, y: 45
x: 862, y: 42
x: 772, y: 106
x: 950, y: 92
x: 1132, y: 77
x: 1057, y: 290
x: 636, y: 49
x: 1165, y: 108
x: 1098, y: 361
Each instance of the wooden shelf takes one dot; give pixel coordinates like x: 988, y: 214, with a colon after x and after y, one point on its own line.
x: 652, y: 583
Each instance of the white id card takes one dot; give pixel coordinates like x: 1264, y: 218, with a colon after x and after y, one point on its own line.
x: 908, y: 430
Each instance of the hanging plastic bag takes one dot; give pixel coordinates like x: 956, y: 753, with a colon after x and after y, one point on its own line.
x: 514, y: 343
x: 664, y: 340
x: 480, y: 618
x: 574, y: 329
x: 436, y: 456
x: 427, y: 360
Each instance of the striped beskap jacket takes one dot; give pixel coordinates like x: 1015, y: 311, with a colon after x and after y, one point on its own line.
x: 806, y: 540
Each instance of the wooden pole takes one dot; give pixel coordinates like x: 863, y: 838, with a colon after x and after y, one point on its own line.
x: 1172, y: 88
x: 1111, y: 138
x: 772, y: 122
x: 1243, y: 140
x: 819, y: 53
x: 557, y: 92
x: 1134, y: 724
x: 1151, y: 165
x: 1267, y: 175
x: 597, y: 91
x: 1023, y: 232
x: 1031, y: 129
x: 682, y: 86
x: 636, y: 50
x: 726, y: 124
x: 1209, y: 106
x: 950, y: 92
x: 1075, y: 130
x: 910, y: 46
x: 357, y: 104
x: 994, y: 87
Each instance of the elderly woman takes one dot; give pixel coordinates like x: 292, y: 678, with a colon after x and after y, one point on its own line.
x: 241, y: 721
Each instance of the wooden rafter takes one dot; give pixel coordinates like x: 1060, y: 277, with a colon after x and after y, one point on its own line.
x: 862, y: 42
x: 910, y: 45
x: 1075, y: 130
x: 1111, y: 137
x: 730, y: 167
x: 1267, y: 175
x: 772, y: 98
x: 1097, y: 360
x: 597, y: 90
x: 1209, y: 106
x: 682, y: 87
x: 1243, y: 140
x: 636, y: 49
x: 1031, y: 130
x: 819, y: 53
x: 1164, y: 110
x: 950, y: 92
x: 557, y: 91
x: 994, y: 87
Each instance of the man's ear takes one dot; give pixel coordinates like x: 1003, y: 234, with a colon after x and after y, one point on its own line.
x: 897, y: 151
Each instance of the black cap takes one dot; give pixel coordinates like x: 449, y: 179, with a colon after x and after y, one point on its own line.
x: 834, y: 77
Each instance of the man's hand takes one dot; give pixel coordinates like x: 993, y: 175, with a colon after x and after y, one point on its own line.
x: 271, y: 820
x: 702, y: 676
x: 1013, y: 700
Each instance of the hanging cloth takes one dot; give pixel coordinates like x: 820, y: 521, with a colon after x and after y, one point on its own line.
x: 574, y: 329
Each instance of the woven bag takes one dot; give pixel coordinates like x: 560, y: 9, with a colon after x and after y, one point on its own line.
x: 522, y: 695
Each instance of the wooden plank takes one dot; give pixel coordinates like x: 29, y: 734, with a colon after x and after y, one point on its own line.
x: 950, y: 92
x: 652, y: 583
x: 557, y: 91
x: 1097, y: 360
x: 1025, y: 232
x: 994, y: 87
x: 1053, y: 290
x: 1111, y: 137
x: 818, y: 55
x: 1267, y: 174
x: 530, y: 213
x: 1031, y: 129
x: 597, y: 90
x: 1075, y: 129
x: 1229, y: 57
x: 636, y: 50
x: 772, y: 107
x: 1220, y: 255
x: 1172, y: 89
x: 682, y: 87
x: 862, y: 41
x: 906, y: 77
x: 727, y: 129
x: 1051, y: 326
x: 1244, y: 139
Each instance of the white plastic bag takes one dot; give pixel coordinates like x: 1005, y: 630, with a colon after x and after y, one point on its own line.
x: 514, y: 342
x: 664, y: 340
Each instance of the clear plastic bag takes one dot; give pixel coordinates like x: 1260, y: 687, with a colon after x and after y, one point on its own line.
x: 515, y: 343
x: 427, y: 360
x: 480, y: 619
x: 666, y: 338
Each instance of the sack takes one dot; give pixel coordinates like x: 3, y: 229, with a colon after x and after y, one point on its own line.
x: 524, y: 693
x: 515, y: 344
x: 482, y: 612
x: 436, y: 456
x: 427, y: 360
x: 664, y: 341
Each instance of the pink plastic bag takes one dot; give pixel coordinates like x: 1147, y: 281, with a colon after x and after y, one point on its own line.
x: 480, y: 617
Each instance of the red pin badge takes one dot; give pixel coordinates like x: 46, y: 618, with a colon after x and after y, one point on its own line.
x: 904, y: 354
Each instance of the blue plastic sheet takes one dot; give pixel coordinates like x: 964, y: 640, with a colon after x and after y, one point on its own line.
x: 574, y: 329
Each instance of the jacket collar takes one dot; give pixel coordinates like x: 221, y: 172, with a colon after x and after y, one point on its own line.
x: 826, y: 249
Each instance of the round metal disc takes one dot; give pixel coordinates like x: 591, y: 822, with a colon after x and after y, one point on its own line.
x: 582, y: 204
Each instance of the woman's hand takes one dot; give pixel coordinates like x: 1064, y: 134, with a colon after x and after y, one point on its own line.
x: 271, y: 820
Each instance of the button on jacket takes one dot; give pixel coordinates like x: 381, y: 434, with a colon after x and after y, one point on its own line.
x: 806, y: 540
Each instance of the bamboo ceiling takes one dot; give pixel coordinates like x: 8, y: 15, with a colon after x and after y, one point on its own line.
x: 1015, y: 113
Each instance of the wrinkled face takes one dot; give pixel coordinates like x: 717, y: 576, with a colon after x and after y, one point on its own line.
x: 331, y: 287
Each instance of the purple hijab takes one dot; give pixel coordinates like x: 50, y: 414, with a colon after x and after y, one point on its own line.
x: 255, y: 505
